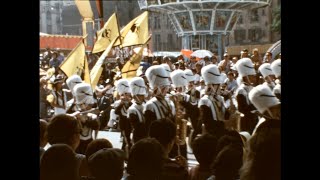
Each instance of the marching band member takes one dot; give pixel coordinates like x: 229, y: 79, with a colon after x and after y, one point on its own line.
x: 57, y: 98
x: 135, y: 111
x: 267, y: 104
x: 158, y: 107
x: 247, y: 75
x: 268, y: 75
x: 71, y: 82
x: 179, y: 97
x: 211, y: 105
x: 167, y: 68
x: 121, y: 106
x: 192, y: 109
x: 276, y: 68
x: 85, y: 114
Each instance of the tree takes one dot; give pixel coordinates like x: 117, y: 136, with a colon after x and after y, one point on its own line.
x: 276, y: 22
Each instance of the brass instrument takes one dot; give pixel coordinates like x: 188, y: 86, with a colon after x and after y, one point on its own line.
x: 180, y: 121
x: 84, y: 117
x: 234, y: 118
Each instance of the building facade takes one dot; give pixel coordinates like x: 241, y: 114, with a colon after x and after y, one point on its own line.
x: 50, y: 17
x: 164, y: 37
x: 254, y: 28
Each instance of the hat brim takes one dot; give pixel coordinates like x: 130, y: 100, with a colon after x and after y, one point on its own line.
x: 58, y: 81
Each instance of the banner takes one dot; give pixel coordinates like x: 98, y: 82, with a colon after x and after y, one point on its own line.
x: 84, y: 8
x: 97, y: 69
x: 106, y: 34
x: 76, y: 63
x: 135, y: 32
x: 129, y: 70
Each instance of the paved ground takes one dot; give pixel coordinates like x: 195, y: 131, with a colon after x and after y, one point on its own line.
x: 114, y: 138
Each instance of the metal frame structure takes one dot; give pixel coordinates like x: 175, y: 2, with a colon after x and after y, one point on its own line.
x: 202, y: 24
x: 187, y: 16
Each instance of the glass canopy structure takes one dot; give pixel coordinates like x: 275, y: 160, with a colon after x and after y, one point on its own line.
x: 202, y: 24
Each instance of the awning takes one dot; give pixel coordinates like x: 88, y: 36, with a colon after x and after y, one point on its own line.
x: 235, y: 50
x: 64, y: 42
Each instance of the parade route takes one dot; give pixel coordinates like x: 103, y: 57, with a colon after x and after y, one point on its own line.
x: 114, y: 138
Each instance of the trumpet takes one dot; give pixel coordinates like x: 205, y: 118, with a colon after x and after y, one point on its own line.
x: 95, y: 111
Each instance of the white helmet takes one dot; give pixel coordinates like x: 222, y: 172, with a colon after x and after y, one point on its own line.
x: 139, y: 71
x: 223, y: 77
x: 211, y: 74
x: 265, y: 70
x: 138, y: 86
x: 83, y: 93
x: 189, y: 75
x: 179, y: 78
x: 276, y: 67
x: 157, y: 76
x: 72, y: 81
x: 167, y: 68
x: 263, y: 98
x: 245, y: 67
x: 123, y: 86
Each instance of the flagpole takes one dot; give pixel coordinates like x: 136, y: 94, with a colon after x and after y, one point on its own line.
x: 121, y: 52
x: 99, y: 4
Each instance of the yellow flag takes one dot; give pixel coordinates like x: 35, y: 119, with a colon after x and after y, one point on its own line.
x: 135, y: 32
x: 86, y: 76
x: 97, y: 68
x: 84, y: 8
x: 129, y: 70
x: 106, y: 34
x: 76, y: 63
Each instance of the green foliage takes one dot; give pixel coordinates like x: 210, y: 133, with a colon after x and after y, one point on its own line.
x: 276, y: 20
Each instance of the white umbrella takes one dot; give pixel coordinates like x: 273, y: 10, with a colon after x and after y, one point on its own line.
x: 202, y: 53
x: 146, y: 51
x: 166, y: 53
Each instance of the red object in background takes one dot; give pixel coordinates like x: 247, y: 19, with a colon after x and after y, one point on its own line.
x: 60, y: 41
x: 186, y: 52
x: 99, y: 4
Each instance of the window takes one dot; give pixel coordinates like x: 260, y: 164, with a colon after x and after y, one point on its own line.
x: 58, y: 20
x: 240, y: 35
x: 240, y: 20
x: 255, y: 34
x: 49, y: 29
x: 157, y: 42
x: 169, y: 42
x: 263, y: 12
x: 159, y: 26
x: 156, y: 24
x: 254, y: 16
x: 57, y: 6
x: 48, y: 17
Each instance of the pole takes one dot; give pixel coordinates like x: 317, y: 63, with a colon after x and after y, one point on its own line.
x: 99, y: 4
x: 120, y: 37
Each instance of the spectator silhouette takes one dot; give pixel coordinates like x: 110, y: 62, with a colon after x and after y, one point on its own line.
x: 59, y: 162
